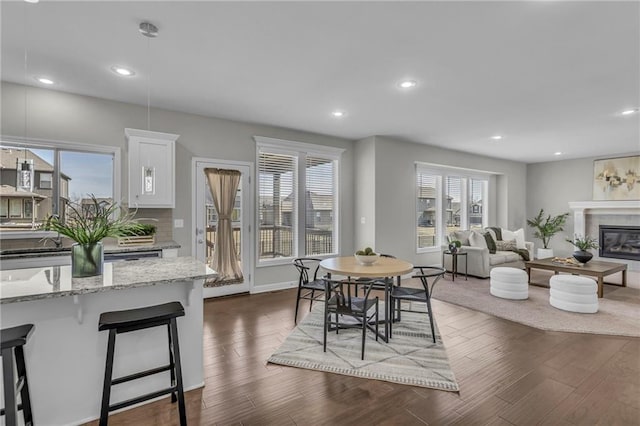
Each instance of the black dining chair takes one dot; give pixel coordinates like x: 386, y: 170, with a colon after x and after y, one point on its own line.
x: 380, y: 283
x: 309, y: 286
x: 342, y: 309
x: 428, y: 276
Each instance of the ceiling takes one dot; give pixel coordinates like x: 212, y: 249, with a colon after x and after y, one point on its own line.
x: 548, y: 76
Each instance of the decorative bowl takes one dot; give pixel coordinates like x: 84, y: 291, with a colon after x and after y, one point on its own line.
x: 367, y: 260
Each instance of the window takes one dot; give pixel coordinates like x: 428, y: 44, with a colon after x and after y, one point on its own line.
x: 61, y: 173
x: 448, y: 200
x: 46, y: 180
x: 298, y: 196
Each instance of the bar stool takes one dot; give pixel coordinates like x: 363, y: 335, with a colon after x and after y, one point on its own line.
x: 12, y: 340
x: 137, y: 319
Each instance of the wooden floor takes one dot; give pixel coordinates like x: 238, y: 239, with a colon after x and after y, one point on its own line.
x: 509, y: 374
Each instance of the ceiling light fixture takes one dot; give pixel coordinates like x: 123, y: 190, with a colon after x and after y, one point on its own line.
x: 630, y: 111
x: 407, y: 84
x: 150, y: 31
x: 557, y: 153
x: 31, y: 1
x: 338, y: 114
x: 496, y: 137
x: 44, y: 80
x: 125, y: 72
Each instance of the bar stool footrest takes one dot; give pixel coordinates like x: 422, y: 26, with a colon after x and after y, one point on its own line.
x: 142, y: 374
x: 142, y: 398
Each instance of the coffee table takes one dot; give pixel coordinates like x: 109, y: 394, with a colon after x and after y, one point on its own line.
x: 594, y: 268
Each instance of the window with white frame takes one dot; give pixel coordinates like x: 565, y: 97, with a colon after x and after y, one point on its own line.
x: 448, y: 200
x: 59, y: 173
x: 297, y: 199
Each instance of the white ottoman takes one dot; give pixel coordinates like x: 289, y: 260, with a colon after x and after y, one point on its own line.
x: 509, y: 283
x: 574, y: 293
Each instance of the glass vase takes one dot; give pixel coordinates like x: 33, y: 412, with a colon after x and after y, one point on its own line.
x: 86, y: 260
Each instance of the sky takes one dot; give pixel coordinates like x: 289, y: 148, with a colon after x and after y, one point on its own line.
x: 90, y: 173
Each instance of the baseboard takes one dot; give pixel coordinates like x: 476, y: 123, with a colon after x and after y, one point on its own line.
x: 273, y: 287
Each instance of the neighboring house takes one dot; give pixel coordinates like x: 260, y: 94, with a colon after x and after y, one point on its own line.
x: 319, y: 208
x: 24, y: 209
x: 427, y: 207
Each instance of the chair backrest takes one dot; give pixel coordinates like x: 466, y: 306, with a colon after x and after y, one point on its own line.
x: 387, y: 255
x: 341, y: 294
x: 304, y: 265
x: 429, y: 276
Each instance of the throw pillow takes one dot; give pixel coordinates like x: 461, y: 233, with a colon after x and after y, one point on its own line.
x: 462, y: 236
x: 491, y: 244
x: 493, y: 234
x: 506, y: 245
x: 508, y: 235
x: 520, y: 239
x: 477, y: 240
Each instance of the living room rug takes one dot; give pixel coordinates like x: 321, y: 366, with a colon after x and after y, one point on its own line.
x: 618, y: 312
x: 409, y: 358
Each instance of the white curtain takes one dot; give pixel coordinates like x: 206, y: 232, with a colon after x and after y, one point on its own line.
x: 224, y: 186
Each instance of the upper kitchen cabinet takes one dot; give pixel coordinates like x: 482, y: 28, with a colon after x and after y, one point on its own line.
x: 152, y: 173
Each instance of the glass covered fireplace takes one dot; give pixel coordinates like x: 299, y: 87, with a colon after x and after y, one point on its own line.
x: 620, y: 242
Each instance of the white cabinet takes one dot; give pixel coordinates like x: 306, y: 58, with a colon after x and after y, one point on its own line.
x: 152, y: 176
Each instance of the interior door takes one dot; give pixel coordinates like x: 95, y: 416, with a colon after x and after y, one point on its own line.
x: 206, y: 222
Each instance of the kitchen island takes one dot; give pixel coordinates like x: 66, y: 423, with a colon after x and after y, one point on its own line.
x: 66, y: 354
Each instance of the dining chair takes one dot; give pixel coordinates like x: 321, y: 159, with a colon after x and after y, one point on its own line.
x: 428, y: 276
x: 380, y: 283
x: 349, y: 310
x: 308, y: 288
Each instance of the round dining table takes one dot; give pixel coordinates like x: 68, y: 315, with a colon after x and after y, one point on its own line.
x: 382, y: 268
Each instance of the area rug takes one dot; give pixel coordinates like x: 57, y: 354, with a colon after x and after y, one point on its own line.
x: 409, y: 358
x: 618, y: 313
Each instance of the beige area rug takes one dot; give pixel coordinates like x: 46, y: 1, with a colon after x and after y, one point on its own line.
x: 409, y: 358
x: 618, y: 312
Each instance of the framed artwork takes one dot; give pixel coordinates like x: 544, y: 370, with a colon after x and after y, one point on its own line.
x: 617, y: 178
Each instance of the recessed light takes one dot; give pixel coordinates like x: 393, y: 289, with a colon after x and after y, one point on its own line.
x: 44, y: 80
x: 338, y: 114
x: 496, y: 137
x: 31, y: 1
x: 557, y: 153
x: 407, y: 84
x: 630, y: 111
x: 125, y: 72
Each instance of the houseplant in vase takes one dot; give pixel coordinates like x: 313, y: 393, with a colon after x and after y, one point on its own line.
x: 87, y: 224
x: 545, y: 228
x: 583, y: 244
x: 454, y: 245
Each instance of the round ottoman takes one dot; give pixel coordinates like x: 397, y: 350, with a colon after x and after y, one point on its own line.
x: 574, y: 293
x: 509, y: 283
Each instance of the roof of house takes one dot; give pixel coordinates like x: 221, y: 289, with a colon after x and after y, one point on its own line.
x: 11, y: 192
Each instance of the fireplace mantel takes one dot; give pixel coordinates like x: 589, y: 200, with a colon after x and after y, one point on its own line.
x: 582, y: 208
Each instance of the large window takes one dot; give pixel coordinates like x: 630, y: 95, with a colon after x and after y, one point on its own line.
x: 297, y: 200
x: 40, y: 179
x: 448, y: 200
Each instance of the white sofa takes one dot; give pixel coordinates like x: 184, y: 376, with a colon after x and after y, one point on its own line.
x: 480, y: 261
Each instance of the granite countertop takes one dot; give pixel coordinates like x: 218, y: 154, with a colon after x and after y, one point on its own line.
x: 21, y: 285
x: 63, y: 251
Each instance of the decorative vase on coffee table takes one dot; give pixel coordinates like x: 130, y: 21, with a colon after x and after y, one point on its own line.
x: 582, y: 256
x: 87, y: 260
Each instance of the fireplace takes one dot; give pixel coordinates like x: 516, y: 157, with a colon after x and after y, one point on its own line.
x: 620, y: 242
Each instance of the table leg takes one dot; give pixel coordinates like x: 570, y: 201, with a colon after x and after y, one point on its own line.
x: 387, y: 310
x: 529, y: 274
x: 454, y: 266
x: 624, y: 278
x: 600, y: 286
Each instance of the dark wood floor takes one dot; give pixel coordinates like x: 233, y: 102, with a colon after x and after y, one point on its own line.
x: 509, y: 374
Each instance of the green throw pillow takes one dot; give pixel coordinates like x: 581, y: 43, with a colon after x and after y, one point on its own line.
x: 491, y: 245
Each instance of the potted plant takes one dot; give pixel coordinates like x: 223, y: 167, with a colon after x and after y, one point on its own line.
x: 583, y: 244
x: 545, y: 228
x: 454, y: 245
x: 136, y: 233
x: 87, y: 225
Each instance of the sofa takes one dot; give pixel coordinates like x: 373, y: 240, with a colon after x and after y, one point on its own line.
x: 480, y: 261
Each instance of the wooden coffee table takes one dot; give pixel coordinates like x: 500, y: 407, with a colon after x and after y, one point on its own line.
x: 594, y: 268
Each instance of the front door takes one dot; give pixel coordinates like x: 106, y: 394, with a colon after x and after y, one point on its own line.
x: 206, y: 224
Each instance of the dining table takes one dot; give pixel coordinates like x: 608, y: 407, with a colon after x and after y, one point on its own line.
x: 382, y: 268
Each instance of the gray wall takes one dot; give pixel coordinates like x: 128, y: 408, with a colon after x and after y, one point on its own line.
x: 68, y: 117
x: 551, y: 186
x: 395, y: 193
x: 365, y: 194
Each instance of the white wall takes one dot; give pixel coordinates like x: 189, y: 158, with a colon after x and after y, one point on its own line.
x: 68, y: 117
x: 395, y: 193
